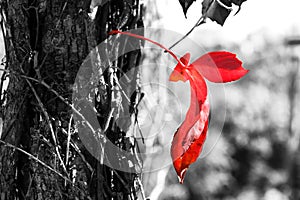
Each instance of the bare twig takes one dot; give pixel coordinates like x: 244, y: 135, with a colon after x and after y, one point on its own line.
x: 36, y: 159
x: 68, y: 140
x: 123, y: 92
x: 108, y: 119
x: 141, y: 188
x: 63, y: 100
x: 76, y: 148
x: 140, y: 131
x: 3, y: 30
x: 49, y: 124
x: 137, y: 152
x: 198, y: 23
x: 61, y: 13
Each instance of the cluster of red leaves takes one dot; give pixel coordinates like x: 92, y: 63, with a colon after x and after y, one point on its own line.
x: 218, y: 67
x: 189, y: 138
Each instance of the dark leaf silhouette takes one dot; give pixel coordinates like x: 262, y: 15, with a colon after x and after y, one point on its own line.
x: 238, y: 2
x: 216, y: 10
x: 185, y: 4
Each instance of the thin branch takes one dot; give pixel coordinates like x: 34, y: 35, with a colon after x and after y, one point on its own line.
x: 108, y: 119
x: 61, y: 98
x: 60, y: 15
x: 68, y: 140
x: 136, y: 152
x: 76, y: 148
x: 141, y: 188
x: 122, y: 90
x: 140, y: 131
x: 198, y: 23
x: 49, y: 123
x: 36, y: 159
x: 3, y: 77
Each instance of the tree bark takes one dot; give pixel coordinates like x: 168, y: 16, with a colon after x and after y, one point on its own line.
x: 46, y: 42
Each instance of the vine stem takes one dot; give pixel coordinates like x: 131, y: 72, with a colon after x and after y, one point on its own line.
x: 198, y: 23
x: 149, y: 40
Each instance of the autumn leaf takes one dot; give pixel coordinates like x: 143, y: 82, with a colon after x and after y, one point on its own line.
x: 217, y: 67
x: 189, y: 138
x: 220, y: 67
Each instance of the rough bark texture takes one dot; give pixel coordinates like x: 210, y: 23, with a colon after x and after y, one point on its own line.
x: 47, y: 40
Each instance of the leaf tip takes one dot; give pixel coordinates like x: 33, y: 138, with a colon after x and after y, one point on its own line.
x: 182, y: 175
x: 185, y: 4
x: 184, y: 12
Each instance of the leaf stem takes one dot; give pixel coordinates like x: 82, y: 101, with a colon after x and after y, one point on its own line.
x: 198, y: 23
x: 149, y: 40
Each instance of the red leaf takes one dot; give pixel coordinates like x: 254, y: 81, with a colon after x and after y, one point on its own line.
x: 190, y: 136
x: 179, y: 73
x: 220, y: 66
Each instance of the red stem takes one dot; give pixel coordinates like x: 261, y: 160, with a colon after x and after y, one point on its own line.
x: 149, y: 40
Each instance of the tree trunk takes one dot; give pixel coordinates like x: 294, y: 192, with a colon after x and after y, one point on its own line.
x: 41, y: 154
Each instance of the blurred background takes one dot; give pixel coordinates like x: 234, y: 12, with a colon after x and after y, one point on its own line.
x: 257, y: 154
